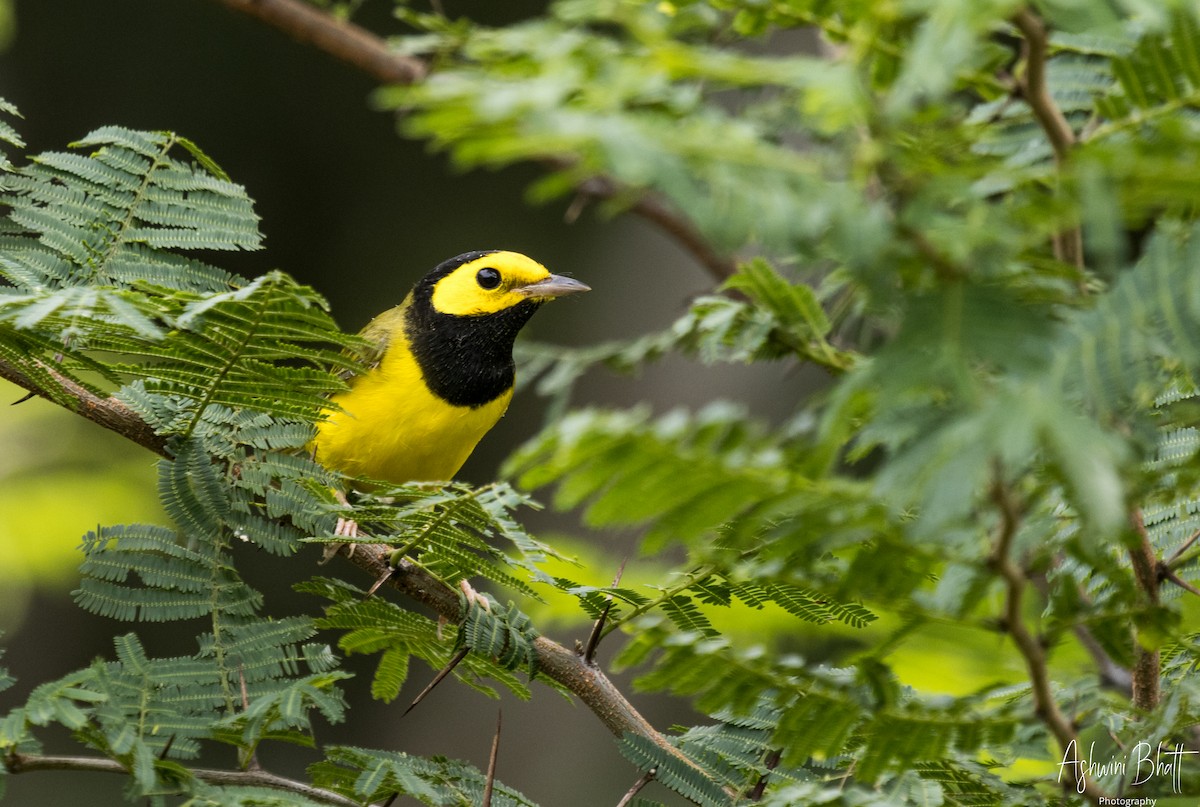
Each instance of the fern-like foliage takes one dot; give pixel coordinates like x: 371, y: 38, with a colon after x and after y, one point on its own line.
x: 780, y: 319
x: 371, y: 776
x: 115, y: 216
x: 373, y: 625
x: 232, y: 375
x: 695, y: 473
x: 584, y: 114
x: 8, y: 135
x: 686, y: 779
x: 504, y: 635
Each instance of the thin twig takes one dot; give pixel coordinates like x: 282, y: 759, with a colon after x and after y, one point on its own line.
x: 1179, y: 581
x: 1033, y: 85
x: 26, y: 763
x: 1147, y: 667
x: 760, y: 787
x: 370, y: 53
x: 946, y: 268
x: 107, y: 412
x: 1029, y: 645
x: 1068, y: 244
x: 1183, y: 559
x: 655, y: 209
x: 491, y: 771
x: 642, y: 781
x: 1112, y: 675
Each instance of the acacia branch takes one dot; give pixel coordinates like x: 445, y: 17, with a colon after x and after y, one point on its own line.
x: 1147, y: 666
x: 1030, y: 646
x: 26, y: 763
x: 556, y: 662
x: 341, y: 39
x: 108, y: 412
x: 1033, y: 85
x: 370, y: 53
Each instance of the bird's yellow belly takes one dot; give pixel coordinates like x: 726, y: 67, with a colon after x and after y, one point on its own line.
x: 391, y: 427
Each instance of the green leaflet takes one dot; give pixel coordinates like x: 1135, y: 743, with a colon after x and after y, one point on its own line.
x: 505, y: 636
x: 8, y: 135
x: 782, y: 320
x: 374, y: 625
x: 684, y: 474
x: 685, y: 779
x: 452, y: 529
x: 267, y: 345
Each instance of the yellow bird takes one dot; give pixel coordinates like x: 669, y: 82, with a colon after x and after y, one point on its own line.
x: 441, y: 370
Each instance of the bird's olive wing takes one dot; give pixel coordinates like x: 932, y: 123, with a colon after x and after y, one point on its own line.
x: 379, y: 334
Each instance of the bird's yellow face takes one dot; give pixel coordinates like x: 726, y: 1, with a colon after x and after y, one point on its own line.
x: 496, y: 282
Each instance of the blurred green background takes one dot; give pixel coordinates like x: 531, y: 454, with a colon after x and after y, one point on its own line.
x: 358, y: 213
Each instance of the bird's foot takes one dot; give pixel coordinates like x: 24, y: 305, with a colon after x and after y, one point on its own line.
x: 474, y: 596
x: 346, y: 528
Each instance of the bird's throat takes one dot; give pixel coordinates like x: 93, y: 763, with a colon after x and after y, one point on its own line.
x: 466, y: 361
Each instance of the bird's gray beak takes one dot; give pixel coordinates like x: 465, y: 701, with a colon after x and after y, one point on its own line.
x: 551, y: 287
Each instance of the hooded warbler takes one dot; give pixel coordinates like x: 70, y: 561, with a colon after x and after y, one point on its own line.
x: 440, y: 369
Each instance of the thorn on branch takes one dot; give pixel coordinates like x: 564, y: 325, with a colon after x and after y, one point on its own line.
x: 593, y: 641
x: 379, y: 581
x: 1167, y: 574
x: 644, y: 780
x: 491, y: 771
x: 437, y: 679
x: 1186, y: 546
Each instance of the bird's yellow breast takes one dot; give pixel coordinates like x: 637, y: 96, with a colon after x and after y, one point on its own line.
x: 393, y: 428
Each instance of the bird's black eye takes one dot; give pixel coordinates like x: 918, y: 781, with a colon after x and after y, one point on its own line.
x: 487, y: 278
